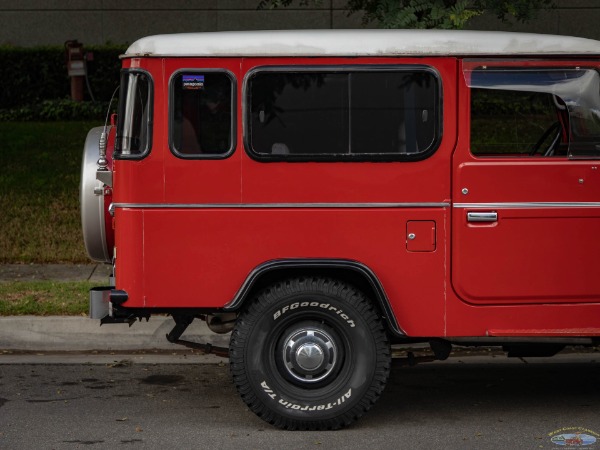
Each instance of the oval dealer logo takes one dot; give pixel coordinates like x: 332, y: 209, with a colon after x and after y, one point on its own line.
x: 574, y: 437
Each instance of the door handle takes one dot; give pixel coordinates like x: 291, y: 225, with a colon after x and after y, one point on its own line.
x: 488, y: 216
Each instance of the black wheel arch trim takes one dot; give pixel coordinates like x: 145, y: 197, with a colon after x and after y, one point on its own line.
x: 338, y: 264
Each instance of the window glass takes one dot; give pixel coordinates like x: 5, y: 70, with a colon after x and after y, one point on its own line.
x: 201, y: 123
x: 541, y: 111
x: 134, y: 124
x: 513, y: 123
x: 296, y: 113
x: 343, y: 114
x: 393, y: 112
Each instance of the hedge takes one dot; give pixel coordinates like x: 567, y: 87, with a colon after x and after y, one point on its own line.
x: 35, y: 79
x: 62, y: 109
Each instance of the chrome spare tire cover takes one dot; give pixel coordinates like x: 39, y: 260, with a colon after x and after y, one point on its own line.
x: 92, y: 205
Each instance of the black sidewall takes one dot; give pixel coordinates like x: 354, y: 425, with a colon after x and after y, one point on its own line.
x: 337, y: 394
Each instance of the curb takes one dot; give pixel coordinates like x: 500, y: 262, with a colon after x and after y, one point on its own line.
x: 64, y: 333
x: 81, y: 334
x: 97, y: 273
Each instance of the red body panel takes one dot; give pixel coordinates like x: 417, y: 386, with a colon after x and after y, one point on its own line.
x: 530, y: 254
x: 205, y: 263
x: 208, y: 224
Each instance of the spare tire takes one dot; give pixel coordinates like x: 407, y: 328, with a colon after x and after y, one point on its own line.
x: 95, y: 199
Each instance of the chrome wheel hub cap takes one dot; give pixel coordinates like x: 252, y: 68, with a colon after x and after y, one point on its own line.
x: 309, y: 355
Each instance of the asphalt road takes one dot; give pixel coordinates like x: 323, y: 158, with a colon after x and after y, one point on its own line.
x: 463, y: 403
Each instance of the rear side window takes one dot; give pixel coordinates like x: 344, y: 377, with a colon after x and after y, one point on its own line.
x: 343, y: 114
x: 134, y: 127
x: 201, y: 114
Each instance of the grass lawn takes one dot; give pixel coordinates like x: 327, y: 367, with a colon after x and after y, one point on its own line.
x: 44, y: 298
x: 40, y: 164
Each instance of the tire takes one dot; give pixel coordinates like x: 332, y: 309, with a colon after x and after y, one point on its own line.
x: 309, y: 354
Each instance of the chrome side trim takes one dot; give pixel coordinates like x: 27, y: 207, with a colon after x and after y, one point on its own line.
x: 354, y: 205
x: 528, y: 205
x: 274, y: 205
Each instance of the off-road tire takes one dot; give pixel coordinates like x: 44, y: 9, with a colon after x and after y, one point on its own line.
x: 309, y: 354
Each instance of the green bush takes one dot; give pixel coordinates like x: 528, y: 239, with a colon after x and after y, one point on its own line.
x: 31, y: 76
x: 62, y: 109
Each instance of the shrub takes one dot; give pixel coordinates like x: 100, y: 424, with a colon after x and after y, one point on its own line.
x: 62, y: 109
x: 32, y: 76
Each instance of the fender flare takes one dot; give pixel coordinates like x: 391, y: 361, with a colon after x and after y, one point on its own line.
x: 316, y: 265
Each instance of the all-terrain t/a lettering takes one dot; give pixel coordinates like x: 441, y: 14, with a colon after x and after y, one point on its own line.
x: 291, y: 405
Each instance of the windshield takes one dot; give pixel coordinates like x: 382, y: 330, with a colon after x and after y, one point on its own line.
x: 133, y: 129
x: 576, y: 89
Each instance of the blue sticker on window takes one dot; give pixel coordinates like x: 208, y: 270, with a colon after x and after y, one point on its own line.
x: 193, y: 82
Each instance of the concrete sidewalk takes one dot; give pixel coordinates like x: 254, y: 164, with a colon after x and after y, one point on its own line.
x: 73, y: 333
x: 60, y: 333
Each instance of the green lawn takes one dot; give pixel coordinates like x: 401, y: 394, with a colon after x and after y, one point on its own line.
x: 40, y: 164
x: 44, y: 298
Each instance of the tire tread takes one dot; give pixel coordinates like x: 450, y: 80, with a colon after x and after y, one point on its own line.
x: 308, y: 285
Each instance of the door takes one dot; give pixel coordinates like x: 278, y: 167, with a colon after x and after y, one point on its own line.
x: 526, y: 190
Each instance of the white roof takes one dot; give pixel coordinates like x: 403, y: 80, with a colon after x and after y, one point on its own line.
x: 360, y: 43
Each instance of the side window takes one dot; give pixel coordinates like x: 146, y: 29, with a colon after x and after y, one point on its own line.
x: 505, y: 123
x: 134, y: 126
x: 202, y: 105
x: 534, y: 111
x: 343, y: 114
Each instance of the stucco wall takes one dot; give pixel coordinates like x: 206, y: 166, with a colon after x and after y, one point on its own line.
x: 39, y: 22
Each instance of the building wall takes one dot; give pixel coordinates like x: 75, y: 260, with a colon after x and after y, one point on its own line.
x: 51, y: 22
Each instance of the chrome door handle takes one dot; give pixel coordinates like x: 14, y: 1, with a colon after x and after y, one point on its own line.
x: 488, y: 216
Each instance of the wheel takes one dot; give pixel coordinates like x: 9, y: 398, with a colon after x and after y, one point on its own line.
x: 309, y: 354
